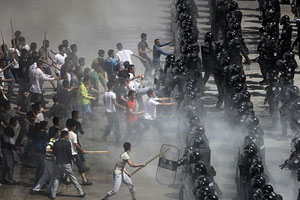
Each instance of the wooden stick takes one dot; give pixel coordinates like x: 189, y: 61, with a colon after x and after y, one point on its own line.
x: 149, y: 161
x: 3, y: 41
x: 96, y: 152
x: 10, y: 64
x: 13, y: 35
x: 51, y: 65
x: 44, y: 45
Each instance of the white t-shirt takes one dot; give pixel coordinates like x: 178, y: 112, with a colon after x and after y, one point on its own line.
x: 59, y: 60
x: 150, y: 109
x: 39, y: 117
x: 108, y: 101
x: 26, y: 46
x: 124, y: 55
x: 18, y: 53
x: 120, y: 165
x: 2, y: 77
x: 133, y: 84
x: 73, y: 140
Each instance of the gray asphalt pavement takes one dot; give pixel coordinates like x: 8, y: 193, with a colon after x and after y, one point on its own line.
x: 100, y: 24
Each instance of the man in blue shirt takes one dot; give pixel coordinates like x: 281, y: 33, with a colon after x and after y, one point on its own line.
x: 112, y: 64
x: 157, y: 51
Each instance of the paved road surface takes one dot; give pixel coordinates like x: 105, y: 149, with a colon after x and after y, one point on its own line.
x: 95, y: 24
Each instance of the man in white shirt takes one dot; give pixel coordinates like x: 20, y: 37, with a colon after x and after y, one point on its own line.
x: 125, y: 55
x: 110, y: 101
x: 150, y: 110
x: 37, y: 78
x: 121, y: 174
x: 136, y: 85
x: 59, y: 59
x: 71, y: 127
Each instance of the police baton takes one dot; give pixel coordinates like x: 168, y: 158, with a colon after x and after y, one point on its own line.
x: 96, y: 152
x: 157, y: 156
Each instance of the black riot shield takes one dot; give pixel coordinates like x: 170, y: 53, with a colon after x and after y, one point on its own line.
x: 206, y: 59
x: 167, y: 165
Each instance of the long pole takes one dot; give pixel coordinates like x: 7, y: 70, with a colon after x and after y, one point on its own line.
x: 96, y: 152
x: 149, y: 161
x: 13, y: 35
x: 3, y: 41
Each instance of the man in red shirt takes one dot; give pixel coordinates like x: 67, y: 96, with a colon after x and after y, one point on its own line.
x: 133, y: 125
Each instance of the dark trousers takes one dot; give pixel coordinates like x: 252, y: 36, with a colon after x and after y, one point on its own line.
x: 273, y: 110
x: 113, y: 121
x: 77, y: 161
x: 264, y: 70
x: 284, y: 120
x: 35, y: 97
x: 7, y: 164
x: 219, y: 83
x: 154, y: 123
x: 39, y: 159
x: 22, y: 132
x: 133, y: 128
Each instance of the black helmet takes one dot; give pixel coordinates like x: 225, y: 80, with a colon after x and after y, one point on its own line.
x: 250, y: 150
x: 249, y: 139
x: 170, y: 59
x: 267, y: 189
x: 186, y: 49
x: 246, y: 96
x: 184, y: 16
x: 219, y: 46
x: 271, y: 196
x: 209, y: 36
x: 181, y: 7
x: 233, y: 6
x: 199, y: 169
x: 199, y: 131
x: 179, y: 63
x: 231, y: 34
x: 254, y: 121
x: 202, y: 192
x: 198, y: 142
x: 187, y: 23
x: 237, y: 69
x: 211, y: 197
x: 235, y: 26
x: 269, y: 13
x: 297, y: 145
x: 200, y: 182
x: 191, y: 94
x: 194, y: 121
x: 288, y: 55
x: 239, y: 87
x: 256, y: 169
x: 225, y: 61
x: 285, y: 19
x: 195, y: 156
x: 258, y: 181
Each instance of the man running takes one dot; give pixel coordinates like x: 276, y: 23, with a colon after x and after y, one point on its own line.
x: 121, y: 174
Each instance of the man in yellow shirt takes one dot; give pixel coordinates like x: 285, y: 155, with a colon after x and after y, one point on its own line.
x: 84, y: 97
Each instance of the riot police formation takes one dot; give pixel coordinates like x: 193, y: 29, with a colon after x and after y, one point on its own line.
x: 224, y: 61
x: 285, y: 40
x: 292, y: 163
x: 197, y: 171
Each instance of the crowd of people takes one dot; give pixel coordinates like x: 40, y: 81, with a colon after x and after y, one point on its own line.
x: 78, y: 91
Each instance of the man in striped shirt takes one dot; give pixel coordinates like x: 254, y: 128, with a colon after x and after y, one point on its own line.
x: 48, y: 165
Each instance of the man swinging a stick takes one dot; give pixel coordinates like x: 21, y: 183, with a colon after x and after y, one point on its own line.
x: 121, y: 174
